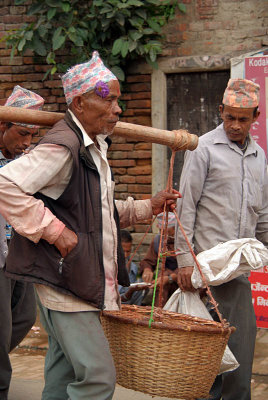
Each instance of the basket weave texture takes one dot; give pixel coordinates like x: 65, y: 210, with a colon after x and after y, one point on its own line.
x: 178, y: 357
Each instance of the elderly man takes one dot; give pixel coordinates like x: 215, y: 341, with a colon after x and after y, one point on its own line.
x: 225, y: 196
x: 17, y: 299
x: 59, y: 199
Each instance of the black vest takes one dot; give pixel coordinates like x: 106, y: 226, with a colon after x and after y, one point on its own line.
x: 81, y: 272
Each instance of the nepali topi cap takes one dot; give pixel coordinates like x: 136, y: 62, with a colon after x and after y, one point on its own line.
x: 82, y: 78
x: 24, y: 98
x: 171, y: 220
x: 241, y: 93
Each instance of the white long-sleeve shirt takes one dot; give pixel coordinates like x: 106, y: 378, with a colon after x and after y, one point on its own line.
x: 47, y: 169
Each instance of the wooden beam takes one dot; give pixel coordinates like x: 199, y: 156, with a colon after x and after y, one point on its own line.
x: 177, y: 140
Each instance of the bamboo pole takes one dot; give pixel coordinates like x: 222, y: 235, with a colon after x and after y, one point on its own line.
x: 177, y: 140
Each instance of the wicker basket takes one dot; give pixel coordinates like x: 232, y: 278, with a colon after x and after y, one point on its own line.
x: 178, y: 357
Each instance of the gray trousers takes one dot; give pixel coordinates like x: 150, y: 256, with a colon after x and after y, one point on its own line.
x: 17, y: 316
x: 235, y: 304
x: 78, y: 364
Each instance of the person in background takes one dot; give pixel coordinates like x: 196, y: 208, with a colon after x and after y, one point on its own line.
x: 224, y: 189
x: 149, y: 263
x: 59, y: 199
x: 17, y: 299
x: 135, y: 293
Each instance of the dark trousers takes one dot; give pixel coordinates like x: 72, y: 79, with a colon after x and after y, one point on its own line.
x: 235, y: 304
x: 17, y: 316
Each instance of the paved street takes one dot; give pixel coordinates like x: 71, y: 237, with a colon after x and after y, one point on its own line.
x: 28, y: 365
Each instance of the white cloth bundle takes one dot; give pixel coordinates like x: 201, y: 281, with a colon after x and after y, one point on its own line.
x: 229, y: 260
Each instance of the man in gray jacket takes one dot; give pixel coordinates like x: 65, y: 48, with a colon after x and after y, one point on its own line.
x: 225, y: 196
x: 17, y: 299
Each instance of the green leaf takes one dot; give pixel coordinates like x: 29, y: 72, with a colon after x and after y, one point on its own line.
x: 21, y: 44
x: 106, y: 9
x: 58, y: 39
x: 152, y: 54
x: 42, y: 30
x: 141, y: 13
x: 35, y: 9
x: 66, y: 7
x: 18, y: 2
x: 53, y: 70
x: 118, y: 72
x: 51, y: 58
x: 51, y: 13
x: 117, y: 46
x: 29, y: 35
x: 39, y: 46
x: 154, y: 25
x: 53, y: 3
x: 135, y: 35
x: 135, y: 3
x: 124, y: 48
x: 120, y: 19
x: 182, y: 7
x: 132, y: 45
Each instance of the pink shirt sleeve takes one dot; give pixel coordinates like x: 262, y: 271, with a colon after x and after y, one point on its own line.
x: 46, y: 169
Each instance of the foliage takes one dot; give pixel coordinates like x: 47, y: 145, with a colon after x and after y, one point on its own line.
x: 121, y: 30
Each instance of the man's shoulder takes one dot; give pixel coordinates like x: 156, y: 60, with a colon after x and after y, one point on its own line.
x: 210, y: 137
x: 61, y: 134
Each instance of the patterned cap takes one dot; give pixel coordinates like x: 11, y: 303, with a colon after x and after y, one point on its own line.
x: 24, y: 98
x: 171, y: 219
x: 241, y: 93
x: 84, y: 77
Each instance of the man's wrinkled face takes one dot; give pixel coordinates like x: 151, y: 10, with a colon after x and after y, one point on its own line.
x: 237, y: 122
x: 15, y: 139
x: 99, y: 115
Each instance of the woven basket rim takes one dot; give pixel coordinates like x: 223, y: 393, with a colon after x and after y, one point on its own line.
x: 140, y: 315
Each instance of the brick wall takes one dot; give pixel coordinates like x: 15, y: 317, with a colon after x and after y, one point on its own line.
x: 217, y: 27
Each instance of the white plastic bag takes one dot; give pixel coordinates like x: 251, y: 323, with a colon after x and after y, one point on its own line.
x: 228, y: 260
x: 191, y: 304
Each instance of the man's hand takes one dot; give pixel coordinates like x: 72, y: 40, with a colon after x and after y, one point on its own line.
x: 184, y: 279
x: 66, y: 242
x: 147, y: 275
x: 158, y: 201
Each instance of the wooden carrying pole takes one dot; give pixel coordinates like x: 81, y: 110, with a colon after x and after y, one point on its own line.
x: 176, y: 140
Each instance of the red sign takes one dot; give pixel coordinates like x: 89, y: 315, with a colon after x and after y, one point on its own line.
x: 256, y: 69
x: 259, y: 288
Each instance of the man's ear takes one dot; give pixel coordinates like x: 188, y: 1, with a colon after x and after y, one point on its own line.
x: 221, y: 109
x: 77, y: 104
x: 256, y: 116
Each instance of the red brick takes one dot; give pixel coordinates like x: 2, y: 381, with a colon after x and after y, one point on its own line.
x: 144, y: 179
x: 140, y: 120
x: 57, y: 92
x: 53, y: 84
x: 140, y: 111
x: 4, y: 11
x: 5, y: 70
x: 139, y: 104
x: 10, y: 19
x: 140, y: 170
x: 15, y: 10
x: 141, y: 95
x: 14, y: 61
x: 139, y: 87
x: 138, y: 78
x: 127, y: 179
x: 120, y: 171
x: 118, y: 139
x: 121, y: 146
x: 121, y: 188
x: 139, y: 154
x: 22, y: 69
x: 61, y: 100
x: 118, y: 155
x: 122, y: 163
x: 6, y: 78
